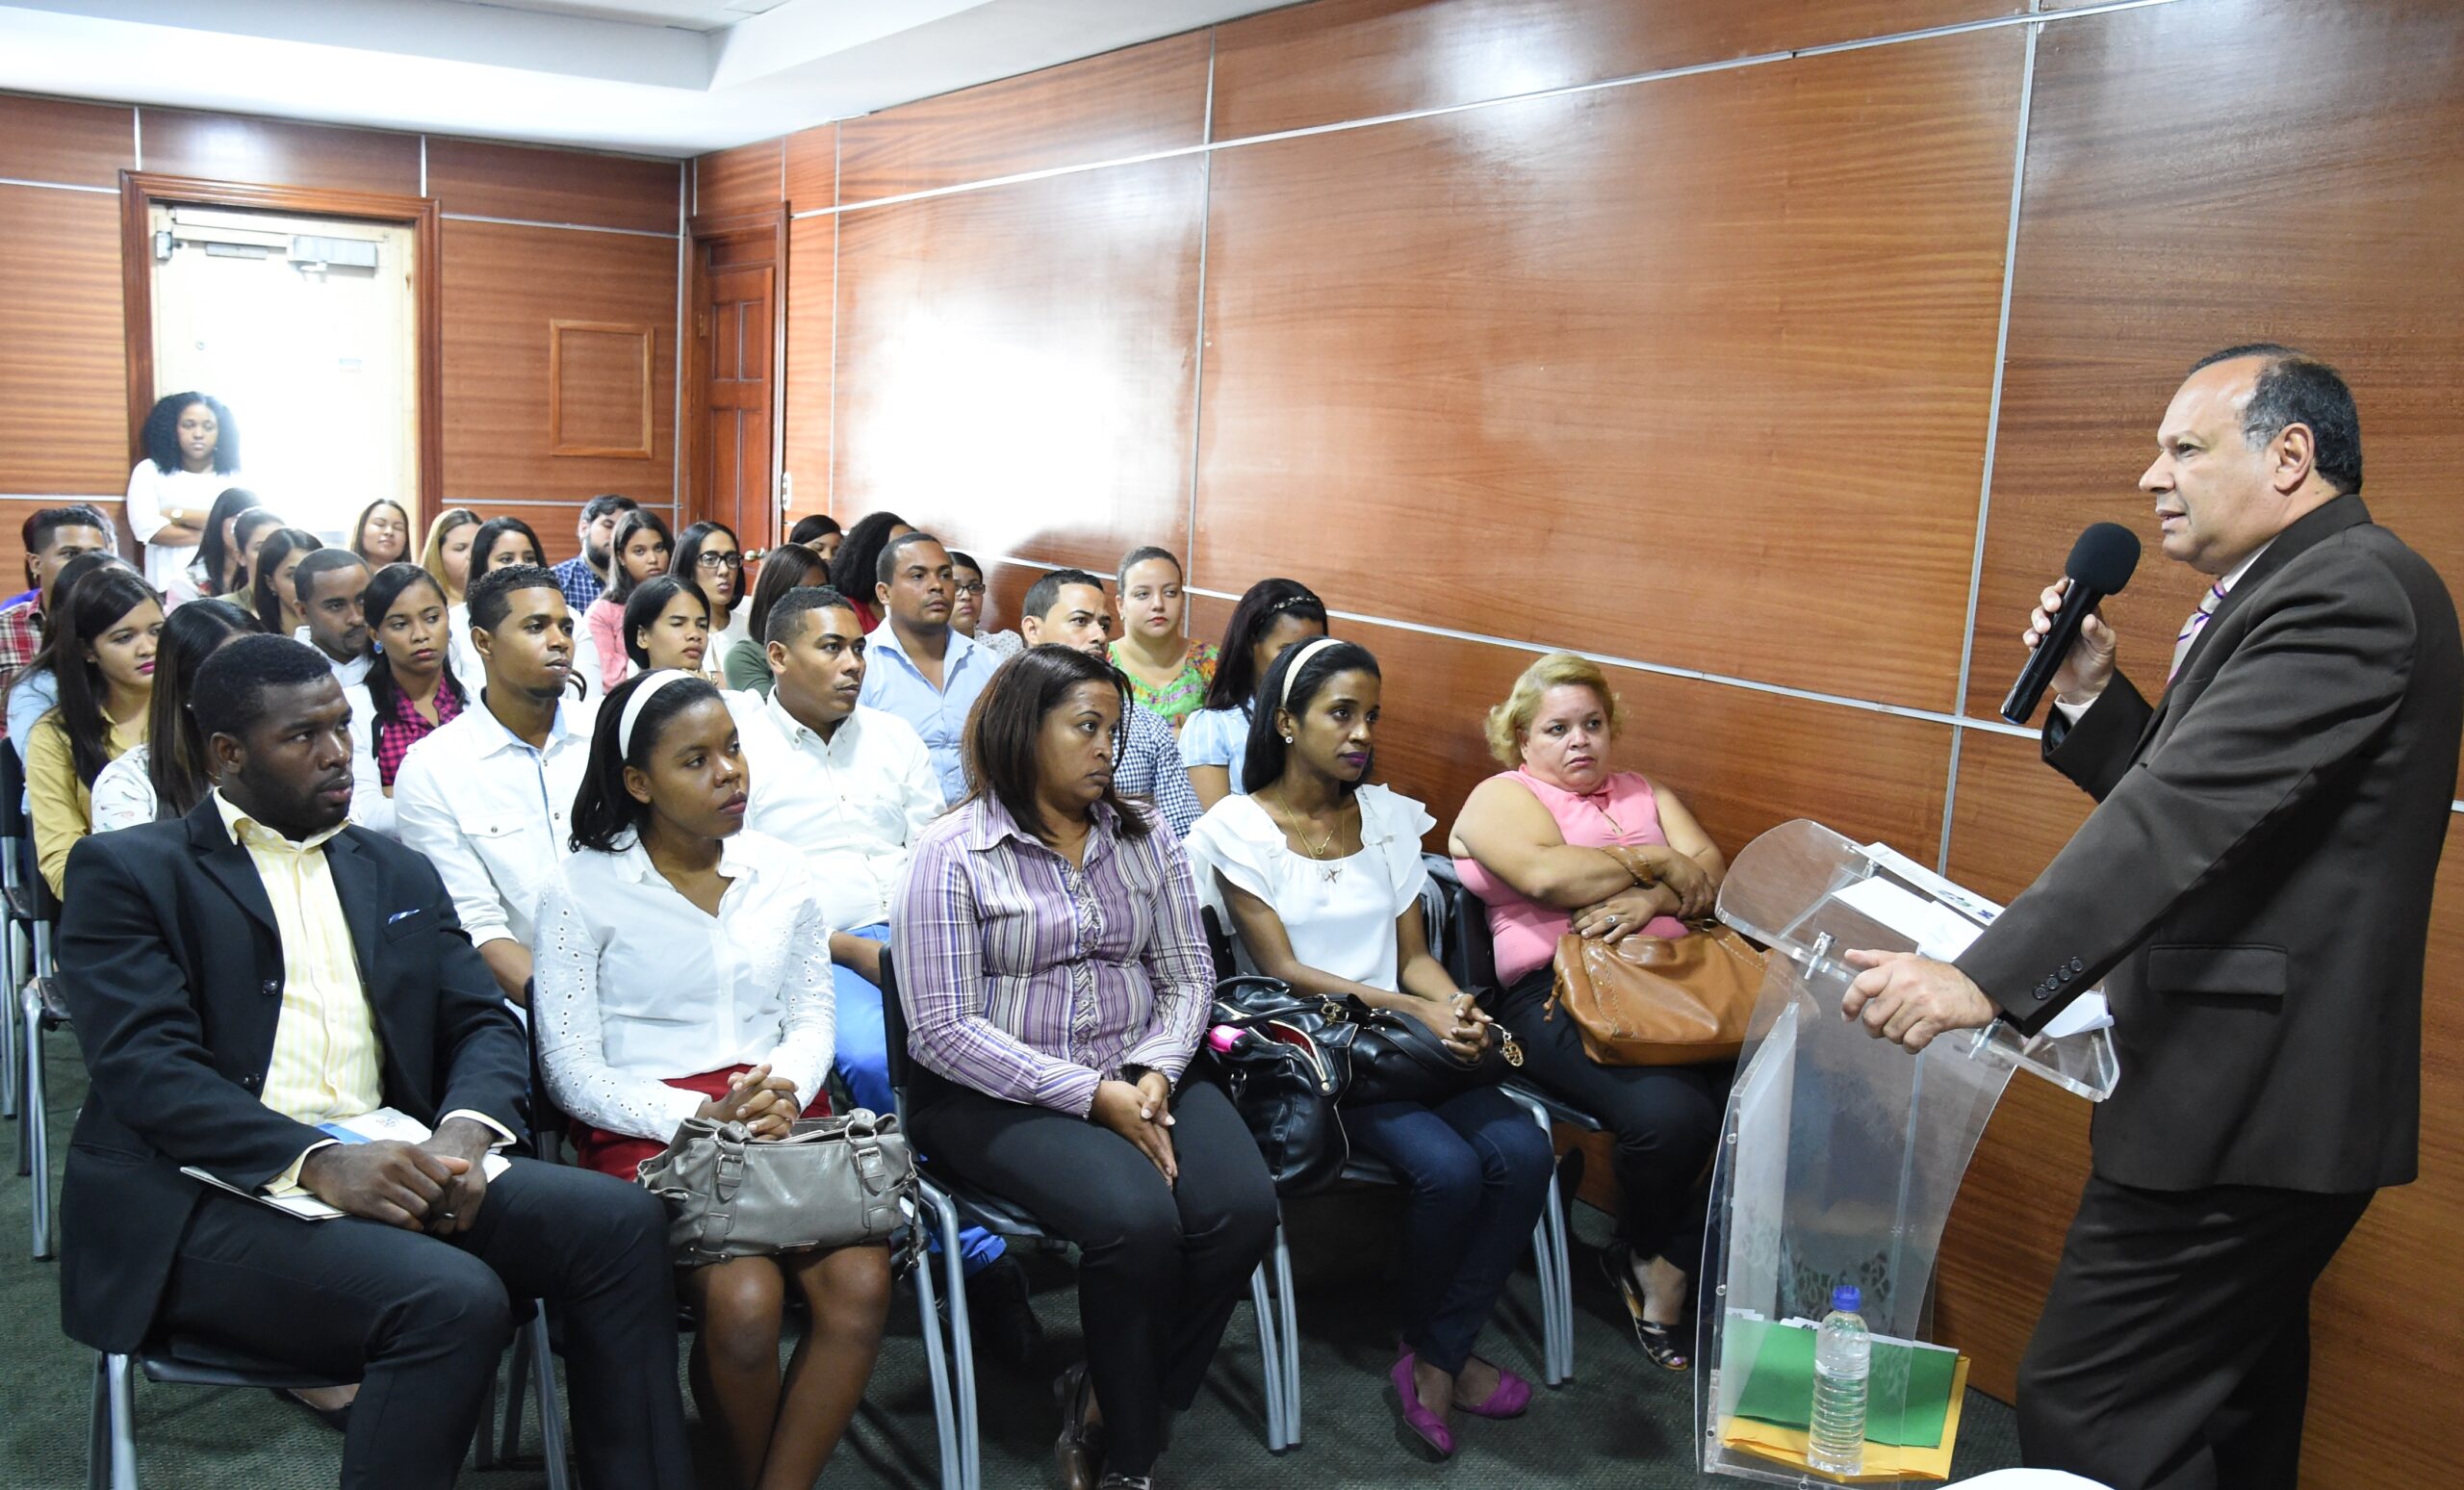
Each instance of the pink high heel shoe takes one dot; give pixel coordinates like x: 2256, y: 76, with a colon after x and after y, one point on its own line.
x: 1430, y: 1428
x: 1512, y: 1395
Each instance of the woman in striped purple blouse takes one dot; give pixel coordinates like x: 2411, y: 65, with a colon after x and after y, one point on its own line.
x: 1055, y: 981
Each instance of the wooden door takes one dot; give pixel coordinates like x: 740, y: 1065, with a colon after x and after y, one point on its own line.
x: 735, y: 299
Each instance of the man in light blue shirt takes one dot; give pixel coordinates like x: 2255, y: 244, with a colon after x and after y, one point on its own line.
x: 918, y: 666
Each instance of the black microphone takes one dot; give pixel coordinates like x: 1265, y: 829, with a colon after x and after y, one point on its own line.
x: 2100, y: 565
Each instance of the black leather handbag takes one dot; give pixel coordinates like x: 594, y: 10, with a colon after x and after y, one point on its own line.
x: 1285, y: 1074
x: 1396, y: 1057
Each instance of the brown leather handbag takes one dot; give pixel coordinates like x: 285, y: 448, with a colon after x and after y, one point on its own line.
x: 1659, y: 1000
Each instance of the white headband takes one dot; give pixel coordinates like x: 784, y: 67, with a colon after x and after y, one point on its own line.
x: 643, y: 692
x: 1300, y: 659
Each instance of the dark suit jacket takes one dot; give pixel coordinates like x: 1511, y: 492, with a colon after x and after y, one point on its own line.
x: 172, y: 969
x: 2254, y: 886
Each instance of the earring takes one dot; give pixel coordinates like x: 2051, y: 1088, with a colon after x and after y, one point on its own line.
x: 1287, y: 739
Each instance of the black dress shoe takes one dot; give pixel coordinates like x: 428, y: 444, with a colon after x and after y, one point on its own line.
x: 1079, y: 1450
x: 1001, y: 1313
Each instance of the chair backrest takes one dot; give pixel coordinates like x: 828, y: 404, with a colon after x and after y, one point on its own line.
x: 1465, y: 948
x: 894, y: 1036
x: 1218, y: 944
x: 13, y: 794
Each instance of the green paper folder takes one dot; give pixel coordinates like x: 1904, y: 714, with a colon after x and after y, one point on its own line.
x: 1908, y: 1393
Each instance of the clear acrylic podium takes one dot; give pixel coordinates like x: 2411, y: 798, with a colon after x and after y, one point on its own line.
x: 1840, y: 1156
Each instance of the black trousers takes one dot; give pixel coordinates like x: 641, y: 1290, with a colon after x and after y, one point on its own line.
x: 420, y: 1322
x: 2175, y: 1349
x: 1160, y: 1267
x: 1665, y: 1119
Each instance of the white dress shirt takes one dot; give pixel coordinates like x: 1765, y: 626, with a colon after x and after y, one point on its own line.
x: 853, y: 804
x: 350, y: 674
x: 635, y: 983
x: 461, y: 654
x: 492, y: 813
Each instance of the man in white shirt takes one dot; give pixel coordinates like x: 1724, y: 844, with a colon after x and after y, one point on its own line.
x: 489, y: 797
x: 921, y: 669
x: 331, y: 583
x: 854, y: 788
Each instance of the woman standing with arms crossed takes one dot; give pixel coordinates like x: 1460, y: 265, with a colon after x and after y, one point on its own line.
x: 191, y: 455
x: 682, y: 970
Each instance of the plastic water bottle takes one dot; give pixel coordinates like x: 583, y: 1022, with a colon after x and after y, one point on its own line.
x: 1843, y: 1352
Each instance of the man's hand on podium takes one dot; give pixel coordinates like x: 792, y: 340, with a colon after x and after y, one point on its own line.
x: 1909, y: 999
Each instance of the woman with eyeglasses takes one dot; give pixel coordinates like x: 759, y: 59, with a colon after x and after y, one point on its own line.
x: 708, y: 558
x: 966, y: 608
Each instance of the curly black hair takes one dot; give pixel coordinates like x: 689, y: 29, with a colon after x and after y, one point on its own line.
x: 161, y: 435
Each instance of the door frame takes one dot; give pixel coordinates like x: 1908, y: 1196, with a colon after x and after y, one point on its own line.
x: 140, y: 192
x: 701, y: 234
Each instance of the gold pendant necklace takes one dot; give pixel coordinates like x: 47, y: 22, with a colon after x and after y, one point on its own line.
x: 1329, y: 873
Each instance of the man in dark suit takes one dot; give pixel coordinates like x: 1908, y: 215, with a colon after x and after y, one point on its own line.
x: 2254, y: 889
x: 260, y: 968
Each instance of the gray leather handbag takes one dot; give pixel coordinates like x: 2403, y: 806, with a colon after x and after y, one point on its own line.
x: 830, y: 1182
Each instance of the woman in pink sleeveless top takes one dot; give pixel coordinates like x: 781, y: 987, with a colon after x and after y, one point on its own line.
x: 1560, y: 842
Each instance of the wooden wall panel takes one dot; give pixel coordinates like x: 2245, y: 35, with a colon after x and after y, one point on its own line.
x: 812, y: 167
x: 63, y: 141
x: 749, y: 178
x: 1359, y: 59
x: 812, y: 284
x: 1124, y: 103
x: 502, y: 287
x: 63, y: 381
x: 1016, y: 364
x: 476, y: 179
x: 1742, y: 760
x: 279, y: 152
x: 1670, y: 346
x: 2167, y: 214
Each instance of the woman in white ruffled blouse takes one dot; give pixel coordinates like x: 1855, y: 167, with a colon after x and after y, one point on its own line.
x: 682, y: 970
x: 1319, y: 875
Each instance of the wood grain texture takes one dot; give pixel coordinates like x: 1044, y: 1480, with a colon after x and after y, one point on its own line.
x: 813, y: 283
x: 1016, y: 364
x: 502, y: 287
x: 2169, y: 211
x: 749, y: 178
x: 1743, y: 760
x: 279, y: 152
x: 601, y: 385
x: 1670, y: 346
x: 476, y: 179
x: 1119, y: 104
x: 63, y: 414
x: 812, y: 167
x: 61, y: 139
x: 1359, y: 59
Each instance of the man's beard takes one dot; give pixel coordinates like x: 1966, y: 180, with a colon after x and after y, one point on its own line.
x: 598, y: 553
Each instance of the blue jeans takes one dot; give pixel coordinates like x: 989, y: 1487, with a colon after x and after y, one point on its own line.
x: 1477, y: 1169
x: 862, y: 1057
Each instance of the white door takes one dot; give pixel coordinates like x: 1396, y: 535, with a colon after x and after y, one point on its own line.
x: 302, y: 327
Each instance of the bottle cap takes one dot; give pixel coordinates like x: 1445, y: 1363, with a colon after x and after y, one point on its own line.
x: 1846, y: 1299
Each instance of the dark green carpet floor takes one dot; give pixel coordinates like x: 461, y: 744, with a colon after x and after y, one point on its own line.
x: 1618, y: 1423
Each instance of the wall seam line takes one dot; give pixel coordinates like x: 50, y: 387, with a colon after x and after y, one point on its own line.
x: 562, y: 228
x: 1197, y: 370
x: 830, y: 478
x: 137, y: 135
x: 57, y: 186
x: 688, y: 172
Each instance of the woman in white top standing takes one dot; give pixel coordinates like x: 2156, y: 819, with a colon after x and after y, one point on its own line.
x: 682, y: 970
x: 191, y: 453
x: 1321, y: 875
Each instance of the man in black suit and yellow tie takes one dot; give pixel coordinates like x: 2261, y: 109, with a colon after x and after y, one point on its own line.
x: 2254, y: 889
x: 260, y: 968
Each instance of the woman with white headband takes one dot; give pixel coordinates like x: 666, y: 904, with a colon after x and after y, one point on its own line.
x: 682, y: 970
x: 1319, y: 873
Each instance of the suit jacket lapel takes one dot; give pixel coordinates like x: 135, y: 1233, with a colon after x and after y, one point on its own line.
x: 229, y: 863
x: 356, y: 886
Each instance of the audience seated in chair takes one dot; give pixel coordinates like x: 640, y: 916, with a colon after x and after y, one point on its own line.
x: 683, y: 971
x: 446, y: 555
x: 1067, y: 608
x: 503, y: 543
x: 667, y: 627
x: 99, y: 655
x: 221, y: 566
x: 410, y: 691
x: 259, y: 967
x: 853, y: 789
x: 164, y: 777
x: 1560, y: 841
x: 746, y: 664
x: 1321, y: 875
x: 1168, y: 672
x: 916, y: 665
x: 1271, y: 615
x: 642, y: 548
x: 54, y: 537
x: 819, y: 533
x: 1056, y: 981
x: 249, y: 534
x: 584, y: 577
x: 708, y: 558
x: 967, y: 599
x: 488, y: 798
x: 331, y: 583
x: 273, y: 598
x: 854, y: 570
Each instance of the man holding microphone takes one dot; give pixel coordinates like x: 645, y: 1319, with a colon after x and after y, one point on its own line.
x: 2254, y: 889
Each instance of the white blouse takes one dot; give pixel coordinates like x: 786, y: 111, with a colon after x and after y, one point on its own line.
x: 123, y: 792
x: 1339, y: 914
x: 150, y: 490
x: 635, y: 983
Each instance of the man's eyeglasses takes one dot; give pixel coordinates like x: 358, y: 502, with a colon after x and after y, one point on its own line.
x: 708, y: 560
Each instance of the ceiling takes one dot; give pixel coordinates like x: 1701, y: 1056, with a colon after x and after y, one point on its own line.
x: 658, y: 77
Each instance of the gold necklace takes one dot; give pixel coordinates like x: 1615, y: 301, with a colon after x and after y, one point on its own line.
x: 1327, y: 872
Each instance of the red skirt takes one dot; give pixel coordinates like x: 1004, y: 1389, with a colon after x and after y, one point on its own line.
x: 621, y: 1154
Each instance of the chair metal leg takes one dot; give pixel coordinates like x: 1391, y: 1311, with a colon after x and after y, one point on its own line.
x: 551, y: 1422
x: 1288, y: 1328
x: 517, y: 1384
x: 37, y: 1127
x: 1271, y: 1359
x: 961, y: 1352
x: 483, y: 1445
x: 937, y: 1362
x: 123, y: 1390
x: 23, y: 1008
x: 10, y: 1068
x: 98, y: 1427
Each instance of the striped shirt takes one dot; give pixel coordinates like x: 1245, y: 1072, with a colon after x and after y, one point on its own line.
x: 1034, y: 980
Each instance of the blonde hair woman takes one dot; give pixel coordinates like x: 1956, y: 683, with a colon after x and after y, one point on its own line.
x: 446, y: 557
x: 1562, y: 841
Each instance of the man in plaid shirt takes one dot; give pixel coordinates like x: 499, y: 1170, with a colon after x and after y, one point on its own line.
x: 54, y: 535
x: 585, y: 575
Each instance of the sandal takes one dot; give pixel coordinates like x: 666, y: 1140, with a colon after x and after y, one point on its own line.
x: 1661, y: 1344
